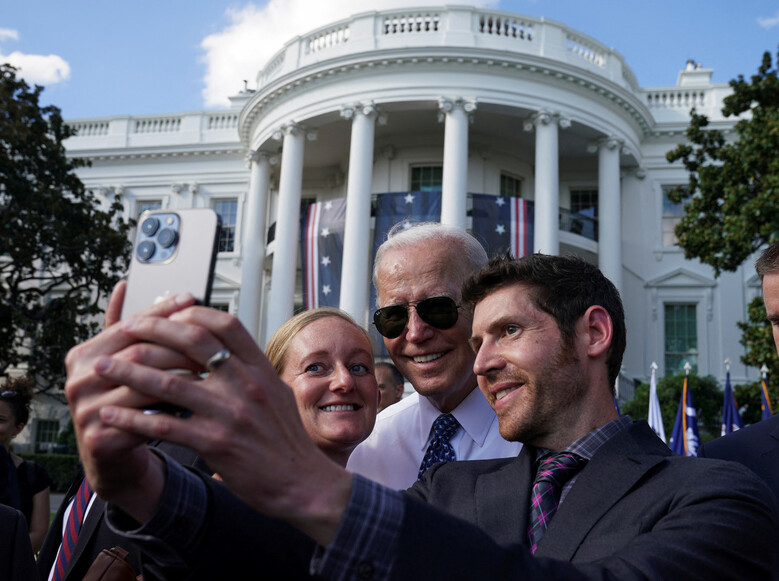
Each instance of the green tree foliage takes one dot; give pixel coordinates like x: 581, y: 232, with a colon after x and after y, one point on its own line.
x: 760, y: 350
x: 60, y: 253
x: 706, y: 395
x: 735, y: 184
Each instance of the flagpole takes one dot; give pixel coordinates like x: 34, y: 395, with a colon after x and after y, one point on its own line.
x: 687, y: 368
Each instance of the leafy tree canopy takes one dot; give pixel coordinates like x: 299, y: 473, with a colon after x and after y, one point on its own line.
x: 734, y: 184
x: 758, y: 339
x: 60, y: 252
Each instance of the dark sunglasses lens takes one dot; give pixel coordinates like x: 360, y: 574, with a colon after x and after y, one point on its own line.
x: 390, y: 321
x: 440, y: 312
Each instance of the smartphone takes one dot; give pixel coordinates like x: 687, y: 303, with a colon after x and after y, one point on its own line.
x: 174, y: 252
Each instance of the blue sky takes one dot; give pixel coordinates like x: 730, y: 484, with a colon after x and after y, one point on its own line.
x: 166, y: 56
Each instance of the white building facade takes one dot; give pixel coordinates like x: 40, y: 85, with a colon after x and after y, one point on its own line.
x: 465, y: 99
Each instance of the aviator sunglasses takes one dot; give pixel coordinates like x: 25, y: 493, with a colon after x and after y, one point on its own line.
x: 438, y: 312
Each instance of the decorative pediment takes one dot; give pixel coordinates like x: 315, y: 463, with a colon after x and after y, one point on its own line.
x: 681, y: 277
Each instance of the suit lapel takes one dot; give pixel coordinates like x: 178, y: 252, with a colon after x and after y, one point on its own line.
x: 497, y: 504
x: 609, y: 476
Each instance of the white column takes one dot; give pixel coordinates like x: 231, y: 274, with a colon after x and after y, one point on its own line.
x: 609, y: 211
x: 250, y: 304
x: 547, y: 192
x: 285, y: 256
x: 357, y: 243
x: 454, y: 187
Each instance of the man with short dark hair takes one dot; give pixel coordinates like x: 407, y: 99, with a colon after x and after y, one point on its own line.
x: 390, y: 383
x: 591, y: 495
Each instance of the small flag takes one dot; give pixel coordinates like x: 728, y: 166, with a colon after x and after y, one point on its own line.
x: 731, y: 419
x: 322, y: 247
x: 766, y: 401
x: 503, y: 223
x: 684, y: 439
x: 655, y: 416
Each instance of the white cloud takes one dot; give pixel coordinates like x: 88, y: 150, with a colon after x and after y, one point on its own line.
x: 34, y: 68
x: 769, y: 22
x: 256, y: 33
x: 39, y: 69
x: 7, y: 33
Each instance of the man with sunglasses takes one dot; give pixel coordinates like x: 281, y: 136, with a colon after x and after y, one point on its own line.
x: 418, y: 274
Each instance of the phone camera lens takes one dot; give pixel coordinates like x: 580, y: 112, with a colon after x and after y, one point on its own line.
x: 166, y: 237
x: 145, y: 250
x: 149, y: 226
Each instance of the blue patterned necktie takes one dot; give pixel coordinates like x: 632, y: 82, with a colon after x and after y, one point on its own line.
x: 440, y: 450
x: 553, y: 472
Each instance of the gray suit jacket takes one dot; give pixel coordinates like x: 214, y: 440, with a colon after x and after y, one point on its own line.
x: 635, y: 512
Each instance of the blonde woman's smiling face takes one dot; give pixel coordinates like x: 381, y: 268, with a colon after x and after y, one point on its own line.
x: 329, y: 366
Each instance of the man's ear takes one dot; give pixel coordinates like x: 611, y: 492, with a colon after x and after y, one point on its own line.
x: 599, y: 330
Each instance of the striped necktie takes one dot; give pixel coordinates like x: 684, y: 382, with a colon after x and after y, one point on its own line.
x: 75, y: 520
x: 553, y: 472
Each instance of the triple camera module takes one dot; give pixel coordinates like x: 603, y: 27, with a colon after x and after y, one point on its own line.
x: 157, y: 238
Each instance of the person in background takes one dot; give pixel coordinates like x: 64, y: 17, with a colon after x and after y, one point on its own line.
x: 757, y: 446
x: 390, y: 383
x: 418, y: 274
x: 33, y: 483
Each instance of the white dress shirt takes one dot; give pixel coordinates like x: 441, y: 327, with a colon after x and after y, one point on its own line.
x: 393, y: 452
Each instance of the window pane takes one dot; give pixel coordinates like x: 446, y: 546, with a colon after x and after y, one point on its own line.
x: 426, y: 178
x: 681, y: 338
x: 672, y: 213
x: 510, y: 186
x: 228, y: 210
x: 584, y: 202
x: 142, y: 206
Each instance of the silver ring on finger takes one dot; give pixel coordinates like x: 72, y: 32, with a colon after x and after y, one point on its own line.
x: 217, y: 359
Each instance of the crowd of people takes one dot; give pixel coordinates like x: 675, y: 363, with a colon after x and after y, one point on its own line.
x: 509, y: 460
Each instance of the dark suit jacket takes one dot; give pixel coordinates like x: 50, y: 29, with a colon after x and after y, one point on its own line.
x: 16, y: 560
x: 635, y: 512
x: 756, y: 446
x: 95, y: 534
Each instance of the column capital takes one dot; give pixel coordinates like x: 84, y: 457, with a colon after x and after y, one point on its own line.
x: 255, y: 156
x: 175, y: 188
x: 293, y: 129
x: 368, y: 109
x: 119, y: 191
x: 546, y: 117
x: 193, y: 187
x: 610, y: 143
x: 448, y: 104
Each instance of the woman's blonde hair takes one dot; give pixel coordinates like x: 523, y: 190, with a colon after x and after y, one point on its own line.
x: 278, y: 345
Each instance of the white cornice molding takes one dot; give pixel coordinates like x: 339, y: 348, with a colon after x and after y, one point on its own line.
x: 307, y: 80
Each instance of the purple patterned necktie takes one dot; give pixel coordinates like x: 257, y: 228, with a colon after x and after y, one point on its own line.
x: 440, y: 450
x: 553, y: 472
x: 75, y: 520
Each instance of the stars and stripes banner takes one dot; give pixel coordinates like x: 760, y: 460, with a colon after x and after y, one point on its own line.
x: 322, y: 246
x: 655, y: 417
x: 501, y: 223
x: 685, y: 438
x: 766, y: 401
x: 731, y: 419
x: 392, y: 208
